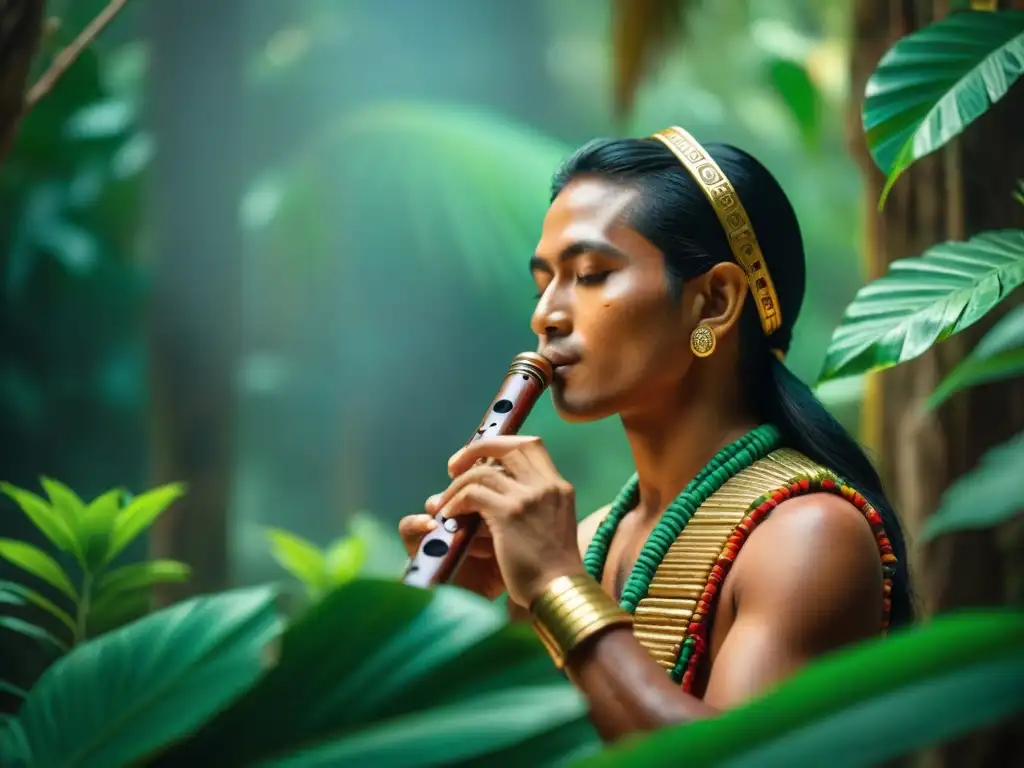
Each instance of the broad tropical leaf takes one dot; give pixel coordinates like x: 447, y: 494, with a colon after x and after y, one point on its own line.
x: 999, y: 355
x: 301, y: 558
x: 26, y: 595
x: 436, y: 164
x: 924, y: 300
x: 120, y: 698
x: 936, y: 81
x: 38, y: 563
x: 48, y: 520
x: 986, y: 497
x: 140, y: 513
x: 377, y: 670
x: 879, y: 700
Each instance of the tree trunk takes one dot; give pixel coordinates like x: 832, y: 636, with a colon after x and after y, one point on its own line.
x: 195, y: 112
x: 954, y: 194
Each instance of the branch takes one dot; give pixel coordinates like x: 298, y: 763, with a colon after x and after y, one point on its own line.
x: 63, y: 60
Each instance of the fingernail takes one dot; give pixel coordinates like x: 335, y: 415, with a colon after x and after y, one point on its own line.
x: 431, y: 502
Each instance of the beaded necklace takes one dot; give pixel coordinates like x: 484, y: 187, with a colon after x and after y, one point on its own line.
x: 729, y: 461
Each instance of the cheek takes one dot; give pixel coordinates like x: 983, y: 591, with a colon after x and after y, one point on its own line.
x: 631, y: 334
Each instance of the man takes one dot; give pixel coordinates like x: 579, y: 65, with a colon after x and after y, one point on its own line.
x: 670, y: 277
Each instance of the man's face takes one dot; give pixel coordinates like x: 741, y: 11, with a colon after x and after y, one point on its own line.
x: 604, y: 315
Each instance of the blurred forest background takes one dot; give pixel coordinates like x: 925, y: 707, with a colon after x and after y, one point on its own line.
x: 278, y: 250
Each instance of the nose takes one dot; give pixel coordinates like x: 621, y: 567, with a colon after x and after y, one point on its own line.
x: 551, y: 319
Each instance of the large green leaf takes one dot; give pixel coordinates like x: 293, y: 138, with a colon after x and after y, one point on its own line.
x: 461, y: 181
x: 924, y: 300
x: 122, y: 697
x: 38, y: 563
x: 860, y: 707
x: 378, y: 670
x: 985, y: 497
x: 936, y: 81
x: 999, y: 355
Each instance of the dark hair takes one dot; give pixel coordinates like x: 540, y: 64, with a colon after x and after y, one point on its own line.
x: 676, y: 217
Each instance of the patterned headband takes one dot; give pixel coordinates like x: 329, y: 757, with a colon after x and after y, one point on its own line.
x: 734, y: 219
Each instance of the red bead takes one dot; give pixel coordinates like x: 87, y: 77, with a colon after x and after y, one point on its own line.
x: 858, y: 500
x: 826, y: 483
x: 805, y: 483
x: 693, y: 628
x: 777, y: 496
x: 873, y: 517
x: 711, y: 590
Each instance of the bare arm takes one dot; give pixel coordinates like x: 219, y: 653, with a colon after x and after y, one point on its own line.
x: 824, y: 592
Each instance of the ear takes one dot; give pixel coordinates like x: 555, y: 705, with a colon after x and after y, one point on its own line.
x: 722, y: 293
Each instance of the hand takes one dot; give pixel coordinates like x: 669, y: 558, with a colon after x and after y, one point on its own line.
x: 528, y: 507
x: 479, y: 571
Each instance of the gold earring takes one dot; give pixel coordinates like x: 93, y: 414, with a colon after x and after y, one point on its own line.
x: 702, y: 340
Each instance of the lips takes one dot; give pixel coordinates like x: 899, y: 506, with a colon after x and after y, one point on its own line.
x: 560, y: 360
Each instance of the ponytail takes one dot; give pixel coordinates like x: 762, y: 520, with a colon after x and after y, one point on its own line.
x: 807, y: 426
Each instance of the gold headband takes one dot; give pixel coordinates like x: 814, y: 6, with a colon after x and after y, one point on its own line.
x: 735, y: 221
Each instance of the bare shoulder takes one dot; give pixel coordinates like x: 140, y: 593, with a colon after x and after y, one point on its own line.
x: 815, y: 560
x: 587, y: 527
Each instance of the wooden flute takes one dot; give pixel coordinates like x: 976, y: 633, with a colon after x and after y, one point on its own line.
x: 442, y: 550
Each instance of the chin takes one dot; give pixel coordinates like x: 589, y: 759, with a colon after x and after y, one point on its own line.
x: 576, y: 409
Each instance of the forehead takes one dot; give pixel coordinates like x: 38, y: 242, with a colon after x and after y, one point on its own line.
x: 587, y: 209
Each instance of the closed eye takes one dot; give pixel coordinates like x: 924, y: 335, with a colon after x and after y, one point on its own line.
x: 594, y: 278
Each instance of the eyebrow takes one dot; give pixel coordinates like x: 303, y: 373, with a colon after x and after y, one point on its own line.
x: 576, y: 249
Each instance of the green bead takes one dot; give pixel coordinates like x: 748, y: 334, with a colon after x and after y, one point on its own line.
x: 724, y: 465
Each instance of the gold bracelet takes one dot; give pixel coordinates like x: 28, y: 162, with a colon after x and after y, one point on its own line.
x: 571, y: 610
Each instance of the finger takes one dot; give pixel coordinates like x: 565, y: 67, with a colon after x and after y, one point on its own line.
x: 485, y: 448
x: 535, y: 453
x: 481, y: 547
x: 413, y: 528
x: 489, y: 475
x: 473, y: 499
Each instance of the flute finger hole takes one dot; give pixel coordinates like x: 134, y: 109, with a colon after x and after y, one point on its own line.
x: 435, y: 548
